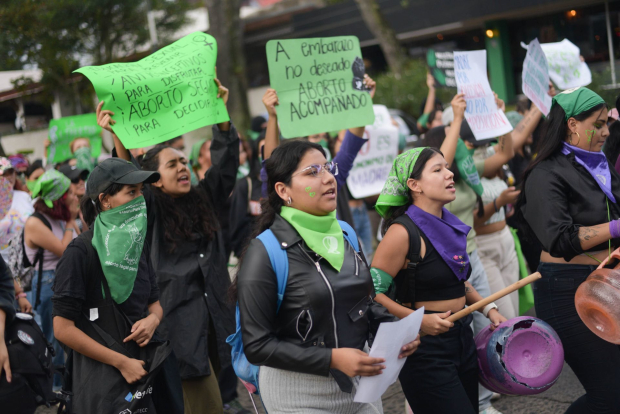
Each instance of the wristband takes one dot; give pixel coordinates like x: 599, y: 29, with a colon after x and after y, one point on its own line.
x: 495, y: 205
x: 381, y: 280
x: 488, y: 308
x: 21, y: 295
x: 614, y: 229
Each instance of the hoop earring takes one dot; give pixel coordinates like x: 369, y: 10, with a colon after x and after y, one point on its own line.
x: 289, y: 201
x: 571, y: 139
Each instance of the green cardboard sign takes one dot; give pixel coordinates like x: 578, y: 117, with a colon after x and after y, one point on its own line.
x: 164, y: 95
x: 64, y: 130
x: 319, y: 84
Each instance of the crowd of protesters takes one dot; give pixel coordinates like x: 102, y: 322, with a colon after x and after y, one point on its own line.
x: 472, y: 215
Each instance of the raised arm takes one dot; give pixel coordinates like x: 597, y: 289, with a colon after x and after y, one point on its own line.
x: 525, y: 128
x: 430, y: 102
x: 272, y: 134
x: 504, y: 150
x: 448, y: 147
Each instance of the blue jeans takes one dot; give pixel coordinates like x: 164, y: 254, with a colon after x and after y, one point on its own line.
x: 43, y: 316
x: 480, y: 282
x: 363, y: 228
x: 595, y: 361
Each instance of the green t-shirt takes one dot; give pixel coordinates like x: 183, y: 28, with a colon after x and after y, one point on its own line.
x: 464, y: 205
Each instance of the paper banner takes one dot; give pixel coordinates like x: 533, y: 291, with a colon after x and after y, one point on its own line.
x: 441, y: 65
x: 164, y: 95
x: 484, y: 118
x: 64, y: 130
x: 320, y: 85
x: 565, y: 66
x: 375, y: 158
x: 535, y: 77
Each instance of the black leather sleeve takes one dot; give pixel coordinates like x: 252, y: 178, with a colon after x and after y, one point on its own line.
x: 257, y: 294
x: 7, y: 291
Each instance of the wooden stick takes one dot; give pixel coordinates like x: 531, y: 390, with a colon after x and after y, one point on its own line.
x: 492, y: 298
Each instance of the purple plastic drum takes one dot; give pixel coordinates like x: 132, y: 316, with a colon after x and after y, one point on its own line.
x: 523, y: 356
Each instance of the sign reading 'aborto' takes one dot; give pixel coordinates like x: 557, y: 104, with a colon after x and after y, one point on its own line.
x: 164, y: 95
x: 320, y: 85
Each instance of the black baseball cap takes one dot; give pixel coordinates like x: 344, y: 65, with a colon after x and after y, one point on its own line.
x: 467, y: 135
x: 72, y: 172
x: 116, y: 171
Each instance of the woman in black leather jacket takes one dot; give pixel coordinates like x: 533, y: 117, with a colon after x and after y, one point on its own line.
x: 309, y: 349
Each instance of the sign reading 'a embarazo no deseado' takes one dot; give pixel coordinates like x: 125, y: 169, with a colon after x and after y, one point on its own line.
x: 320, y: 85
x: 164, y: 95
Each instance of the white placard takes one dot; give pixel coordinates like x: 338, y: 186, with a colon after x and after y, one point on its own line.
x: 391, y: 337
x: 565, y: 66
x: 374, y: 161
x: 535, y: 77
x: 485, y: 119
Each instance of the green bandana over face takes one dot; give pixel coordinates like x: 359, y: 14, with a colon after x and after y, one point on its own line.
x: 577, y: 100
x: 321, y: 233
x: 84, y: 159
x: 395, y: 192
x: 118, y: 238
x: 50, y: 187
x: 467, y: 168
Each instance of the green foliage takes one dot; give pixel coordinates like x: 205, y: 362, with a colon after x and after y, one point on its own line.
x: 604, y: 78
x: 408, y: 92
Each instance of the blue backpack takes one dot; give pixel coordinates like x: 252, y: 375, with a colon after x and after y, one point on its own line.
x: 247, y: 372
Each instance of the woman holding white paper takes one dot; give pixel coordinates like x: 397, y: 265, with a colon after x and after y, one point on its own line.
x: 423, y: 261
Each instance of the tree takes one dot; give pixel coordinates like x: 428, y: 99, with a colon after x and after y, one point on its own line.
x: 380, y: 28
x: 226, y: 26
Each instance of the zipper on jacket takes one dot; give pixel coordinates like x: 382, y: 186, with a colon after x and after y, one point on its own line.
x: 331, y: 292
x: 356, y: 263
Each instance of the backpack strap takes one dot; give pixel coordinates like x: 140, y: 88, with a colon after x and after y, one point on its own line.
x: 38, y: 258
x: 279, y: 261
x: 415, y: 246
x: 349, y: 235
x: 403, y: 288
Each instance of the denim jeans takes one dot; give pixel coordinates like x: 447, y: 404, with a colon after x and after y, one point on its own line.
x: 480, y: 282
x: 595, y: 361
x: 43, y: 316
x: 363, y: 228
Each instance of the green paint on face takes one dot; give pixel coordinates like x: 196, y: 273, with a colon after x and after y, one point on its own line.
x: 308, y: 190
x: 312, y: 194
x: 590, y: 134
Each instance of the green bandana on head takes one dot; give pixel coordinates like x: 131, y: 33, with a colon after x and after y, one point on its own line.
x: 50, y: 187
x: 322, y: 234
x: 84, y: 159
x: 577, y: 100
x: 467, y: 167
x: 118, y: 238
x: 395, y: 192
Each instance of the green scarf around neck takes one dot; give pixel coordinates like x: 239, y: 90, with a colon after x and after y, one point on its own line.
x: 467, y: 167
x: 118, y: 238
x: 321, y: 233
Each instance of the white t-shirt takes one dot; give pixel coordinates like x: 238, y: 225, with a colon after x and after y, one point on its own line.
x: 15, y: 219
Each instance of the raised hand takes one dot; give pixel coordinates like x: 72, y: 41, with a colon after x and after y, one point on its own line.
x: 104, y: 118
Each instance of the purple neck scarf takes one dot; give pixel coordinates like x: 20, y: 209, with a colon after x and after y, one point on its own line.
x: 596, y: 164
x: 448, y: 235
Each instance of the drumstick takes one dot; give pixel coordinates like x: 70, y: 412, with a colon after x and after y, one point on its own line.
x: 492, y: 298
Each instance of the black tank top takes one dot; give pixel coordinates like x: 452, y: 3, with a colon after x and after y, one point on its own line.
x: 432, y: 277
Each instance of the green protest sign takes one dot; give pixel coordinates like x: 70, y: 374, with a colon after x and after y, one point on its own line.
x: 164, y: 95
x: 64, y: 130
x: 320, y: 85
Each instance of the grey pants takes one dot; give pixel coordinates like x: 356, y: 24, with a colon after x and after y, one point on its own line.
x: 292, y: 392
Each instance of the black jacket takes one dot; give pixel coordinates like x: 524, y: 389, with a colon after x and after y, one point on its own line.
x: 321, y: 309
x: 194, y: 280
x: 7, y: 292
x: 560, y: 197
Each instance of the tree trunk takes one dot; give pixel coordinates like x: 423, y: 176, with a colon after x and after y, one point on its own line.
x: 226, y: 26
x: 380, y: 28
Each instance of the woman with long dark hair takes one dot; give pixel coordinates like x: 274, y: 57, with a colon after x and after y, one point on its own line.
x: 442, y: 377
x: 310, y: 349
x: 569, y: 204
x: 189, y: 258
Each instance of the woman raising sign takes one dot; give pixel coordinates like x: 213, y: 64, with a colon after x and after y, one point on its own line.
x: 188, y: 256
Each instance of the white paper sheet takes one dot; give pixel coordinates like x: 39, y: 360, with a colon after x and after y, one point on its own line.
x: 535, y: 77
x: 565, y: 66
x: 485, y: 119
x: 391, y: 337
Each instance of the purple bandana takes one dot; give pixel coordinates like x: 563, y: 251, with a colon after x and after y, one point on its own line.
x: 596, y: 164
x: 448, y: 235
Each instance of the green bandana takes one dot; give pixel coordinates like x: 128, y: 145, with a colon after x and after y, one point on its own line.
x: 395, y: 192
x: 118, y: 238
x: 467, y: 168
x: 50, y: 187
x: 84, y: 159
x: 577, y: 100
x: 321, y: 233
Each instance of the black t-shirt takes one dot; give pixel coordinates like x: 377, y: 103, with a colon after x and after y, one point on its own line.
x: 70, y: 285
